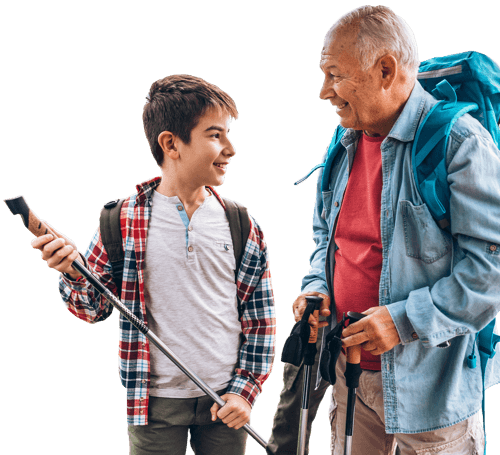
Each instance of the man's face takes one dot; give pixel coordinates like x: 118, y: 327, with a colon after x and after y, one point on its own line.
x: 355, y: 93
x: 203, y: 161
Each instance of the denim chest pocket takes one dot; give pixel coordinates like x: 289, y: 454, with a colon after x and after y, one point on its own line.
x: 424, y: 240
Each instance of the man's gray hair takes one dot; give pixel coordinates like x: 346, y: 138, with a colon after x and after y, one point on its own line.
x: 381, y: 31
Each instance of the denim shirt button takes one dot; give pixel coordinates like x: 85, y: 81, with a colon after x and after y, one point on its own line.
x: 493, y: 247
x: 336, y: 204
x: 414, y: 335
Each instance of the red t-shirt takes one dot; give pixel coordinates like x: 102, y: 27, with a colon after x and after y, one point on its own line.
x: 358, y: 259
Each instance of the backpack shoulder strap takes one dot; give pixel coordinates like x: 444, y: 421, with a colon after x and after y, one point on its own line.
x: 239, y: 224
x: 428, y: 155
x: 334, y: 149
x: 111, y: 236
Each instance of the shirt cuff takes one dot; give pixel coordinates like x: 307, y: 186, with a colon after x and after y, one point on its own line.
x: 405, y: 329
x: 247, y: 388
x: 315, y: 287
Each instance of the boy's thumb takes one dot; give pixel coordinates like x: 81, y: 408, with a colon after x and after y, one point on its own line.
x: 213, y: 411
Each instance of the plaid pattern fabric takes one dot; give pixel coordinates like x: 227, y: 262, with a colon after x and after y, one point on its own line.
x: 253, y: 288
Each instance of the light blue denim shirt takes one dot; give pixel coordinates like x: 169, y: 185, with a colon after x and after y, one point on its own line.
x: 437, y: 286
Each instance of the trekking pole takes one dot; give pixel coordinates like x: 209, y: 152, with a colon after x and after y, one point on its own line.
x: 37, y: 227
x: 352, y: 374
x: 310, y: 354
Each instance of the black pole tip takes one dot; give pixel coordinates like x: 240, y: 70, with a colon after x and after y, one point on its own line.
x: 17, y: 205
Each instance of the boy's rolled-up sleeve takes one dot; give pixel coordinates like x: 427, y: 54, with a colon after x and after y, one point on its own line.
x: 81, y: 298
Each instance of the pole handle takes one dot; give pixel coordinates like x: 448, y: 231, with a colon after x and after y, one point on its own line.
x: 36, y: 226
x: 315, y: 301
x: 353, y: 354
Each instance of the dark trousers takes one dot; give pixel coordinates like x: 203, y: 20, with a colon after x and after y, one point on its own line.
x: 170, y: 422
x: 283, y: 439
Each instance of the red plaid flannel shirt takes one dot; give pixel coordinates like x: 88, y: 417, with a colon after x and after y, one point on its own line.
x: 253, y: 289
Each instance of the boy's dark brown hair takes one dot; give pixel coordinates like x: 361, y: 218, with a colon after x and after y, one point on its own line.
x: 176, y: 104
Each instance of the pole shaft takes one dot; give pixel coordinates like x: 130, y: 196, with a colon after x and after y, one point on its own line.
x: 351, y: 404
x: 158, y: 343
x: 304, y: 410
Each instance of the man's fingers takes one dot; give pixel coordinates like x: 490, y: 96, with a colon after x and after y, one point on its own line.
x: 354, y: 340
x: 300, y: 305
x: 324, y: 308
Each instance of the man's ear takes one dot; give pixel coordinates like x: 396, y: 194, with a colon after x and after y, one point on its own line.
x: 167, y: 140
x: 388, y: 67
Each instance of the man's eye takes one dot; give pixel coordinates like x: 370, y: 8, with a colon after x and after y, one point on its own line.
x: 216, y: 135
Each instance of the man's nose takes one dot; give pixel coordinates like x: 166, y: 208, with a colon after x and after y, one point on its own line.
x: 327, y: 91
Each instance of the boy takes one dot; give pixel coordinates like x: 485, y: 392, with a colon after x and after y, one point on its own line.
x: 179, y: 277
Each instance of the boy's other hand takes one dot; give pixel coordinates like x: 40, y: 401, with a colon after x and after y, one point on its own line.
x: 235, y: 413
x: 59, y: 253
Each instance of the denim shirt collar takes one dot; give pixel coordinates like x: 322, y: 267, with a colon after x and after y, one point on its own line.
x: 406, y: 125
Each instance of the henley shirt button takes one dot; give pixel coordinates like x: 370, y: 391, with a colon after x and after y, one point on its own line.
x: 144, y: 381
x: 180, y: 208
x: 493, y: 247
x: 141, y: 399
x: 414, y: 335
x: 336, y: 204
x: 190, y: 228
x: 190, y: 249
x: 141, y: 411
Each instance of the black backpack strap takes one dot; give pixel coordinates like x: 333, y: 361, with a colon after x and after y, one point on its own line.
x: 239, y: 224
x: 111, y: 236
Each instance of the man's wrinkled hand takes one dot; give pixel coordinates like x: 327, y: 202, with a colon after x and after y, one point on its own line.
x: 376, y: 333
x: 300, y: 305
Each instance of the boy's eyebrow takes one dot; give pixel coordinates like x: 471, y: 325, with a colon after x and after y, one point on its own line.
x: 215, y: 127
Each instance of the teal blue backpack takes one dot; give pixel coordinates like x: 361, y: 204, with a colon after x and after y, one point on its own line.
x: 466, y: 82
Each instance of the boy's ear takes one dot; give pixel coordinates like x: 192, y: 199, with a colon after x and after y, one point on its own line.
x: 167, y: 143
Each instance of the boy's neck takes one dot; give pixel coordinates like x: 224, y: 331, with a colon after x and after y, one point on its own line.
x: 191, y: 197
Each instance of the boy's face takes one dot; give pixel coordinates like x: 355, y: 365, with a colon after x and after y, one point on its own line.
x: 203, y: 161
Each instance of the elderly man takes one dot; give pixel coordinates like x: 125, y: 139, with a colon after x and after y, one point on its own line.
x: 379, y: 251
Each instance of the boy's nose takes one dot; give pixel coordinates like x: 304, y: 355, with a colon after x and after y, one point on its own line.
x: 229, y: 149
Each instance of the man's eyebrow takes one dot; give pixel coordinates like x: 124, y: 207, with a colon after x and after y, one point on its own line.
x: 323, y: 66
